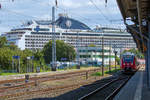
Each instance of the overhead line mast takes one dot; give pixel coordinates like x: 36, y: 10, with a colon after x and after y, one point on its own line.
x: 54, y: 65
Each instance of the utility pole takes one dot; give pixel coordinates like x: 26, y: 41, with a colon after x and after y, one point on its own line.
x: 19, y: 65
x: 110, y: 57
x: 78, y: 56
x: 102, y: 56
x: 33, y: 47
x: 120, y: 55
x: 12, y: 64
x: 115, y: 59
x: 95, y: 56
x: 53, y: 41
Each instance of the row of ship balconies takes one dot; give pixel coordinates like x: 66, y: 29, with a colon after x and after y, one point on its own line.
x: 83, y: 40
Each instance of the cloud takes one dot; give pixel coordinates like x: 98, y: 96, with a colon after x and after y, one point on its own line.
x: 3, y: 29
x: 71, y: 4
x: 84, y: 10
x: 46, y: 16
x: 97, y: 2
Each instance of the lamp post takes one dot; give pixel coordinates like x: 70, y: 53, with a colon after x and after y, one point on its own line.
x: 115, y: 58
x: 95, y: 57
x: 102, y: 56
x: 92, y: 56
x: 32, y: 58
x: 17, y: 63
x: 28, y: 65
x: 12, y: 64
x: 120, y: 54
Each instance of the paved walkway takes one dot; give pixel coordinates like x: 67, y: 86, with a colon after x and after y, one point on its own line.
x: 136, y: 88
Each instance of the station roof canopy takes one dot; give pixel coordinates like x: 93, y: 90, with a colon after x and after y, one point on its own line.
x: 137, y: 12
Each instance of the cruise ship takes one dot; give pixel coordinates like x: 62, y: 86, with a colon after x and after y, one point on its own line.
x: 36, y: 33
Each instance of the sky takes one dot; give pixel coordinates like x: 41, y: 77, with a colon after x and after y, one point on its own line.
x: 13, y: 14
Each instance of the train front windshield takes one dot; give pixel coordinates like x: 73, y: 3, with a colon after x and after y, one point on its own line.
x: 128, y: 58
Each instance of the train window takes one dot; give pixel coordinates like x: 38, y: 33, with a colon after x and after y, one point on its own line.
x: 128, y: 58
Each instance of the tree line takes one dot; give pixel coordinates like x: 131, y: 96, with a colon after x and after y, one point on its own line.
x: 37, y: 58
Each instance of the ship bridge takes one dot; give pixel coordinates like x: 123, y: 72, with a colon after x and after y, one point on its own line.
x: 136, y: 15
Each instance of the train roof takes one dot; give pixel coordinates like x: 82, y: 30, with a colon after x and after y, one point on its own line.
x: 129, y: 53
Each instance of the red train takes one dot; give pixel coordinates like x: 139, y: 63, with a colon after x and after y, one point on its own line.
x: 129, y: 62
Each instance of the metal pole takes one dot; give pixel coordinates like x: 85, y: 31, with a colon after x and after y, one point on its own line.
x: 16, y: 65
x: 32, y: 54
x: 115, y: 60
x: 120, y: 55
x: 12, y: 64
x: 115, y: 55
x: 27, y: 65
x: 53, y: 41
x: 148, y: 57
x: 109, y: 57
x: 32, y: 66
x: 19, y: 65
x: 102, y: 56
x: 146, y: 64
x: 78, y: 56
x: 95, y: 56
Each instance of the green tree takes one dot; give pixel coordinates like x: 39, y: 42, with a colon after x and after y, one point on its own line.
x: 38, y: 57
x: 136, y: 52
x: 63, y: 50
x: 117, y: 60
x: 6, y: 58
x: 12, y: 47
x: 92, y: 45
x: 3, y: 41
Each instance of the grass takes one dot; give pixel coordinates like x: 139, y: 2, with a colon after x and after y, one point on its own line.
x: 105, y: 73
x: 70, y: 68
x: 74, y: 67
x: 97, y: 74
x: 6, y: 74
x: 111, y: 72
x: 118, y: 66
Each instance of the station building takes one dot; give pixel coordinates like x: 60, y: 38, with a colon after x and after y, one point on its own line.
x: 93, y: 55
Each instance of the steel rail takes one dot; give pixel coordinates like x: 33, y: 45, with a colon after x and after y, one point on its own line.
x: 85, y: 97
x: 44, y: 90
x: 45, y: 79
x: 48, y: 76
x: 112, y: 95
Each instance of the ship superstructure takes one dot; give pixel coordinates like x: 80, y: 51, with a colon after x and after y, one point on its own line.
x: 36, y: 33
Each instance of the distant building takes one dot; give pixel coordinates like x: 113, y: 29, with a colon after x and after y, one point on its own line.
x: 35, y: 34
x: 93, y: 55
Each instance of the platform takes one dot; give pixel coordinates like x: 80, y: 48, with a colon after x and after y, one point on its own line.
x: 136, y: 88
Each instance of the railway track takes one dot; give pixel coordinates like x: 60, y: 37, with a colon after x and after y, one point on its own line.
x: 45, y: 91
x: 20, y: 83
x: 47, y: 76
x: 23, y: 86
x: 49, y: 91
x: 42, y: 91
x: 107, y: 91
